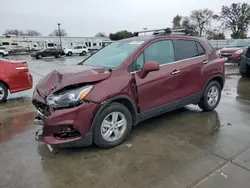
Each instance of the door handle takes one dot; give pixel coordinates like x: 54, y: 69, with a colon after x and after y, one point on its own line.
x: 205, y: 62
x: 175, y: 72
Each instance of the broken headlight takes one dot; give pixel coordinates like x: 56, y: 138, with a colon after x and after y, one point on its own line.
x: 69, y: 98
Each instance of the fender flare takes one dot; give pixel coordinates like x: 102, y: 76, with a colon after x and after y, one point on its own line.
x: 213, y: 77
x: 106, y: 103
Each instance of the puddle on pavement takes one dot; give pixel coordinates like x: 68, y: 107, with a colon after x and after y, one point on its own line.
x: 14, y: 122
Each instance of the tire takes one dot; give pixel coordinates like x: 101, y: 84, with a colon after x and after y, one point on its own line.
x: 210, y: 103
x: 1, y: 55
x: 58, y: 56
x: 3, y: 92
x: 244, y: 74
x: 83, y: 53
x: 69, y: 53
x: 99, y: 128
x: 39, y: 57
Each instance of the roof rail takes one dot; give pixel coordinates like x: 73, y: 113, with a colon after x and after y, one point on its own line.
x: 165, y: 31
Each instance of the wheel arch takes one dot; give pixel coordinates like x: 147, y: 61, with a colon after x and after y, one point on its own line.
x: 5, y: 83
x: 124, y: 100
x: 219, y: 78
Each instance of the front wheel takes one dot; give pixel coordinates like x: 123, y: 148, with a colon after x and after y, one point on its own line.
x: 211, y: 96
x: 1, y: 55
x: 112, y: 126
x: 3, y: 92
x: 69, y: 54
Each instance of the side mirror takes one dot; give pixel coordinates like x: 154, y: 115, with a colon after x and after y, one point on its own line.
x: 149, y: 66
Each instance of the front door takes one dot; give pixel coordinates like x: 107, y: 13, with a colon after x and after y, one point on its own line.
x: 158, y: 88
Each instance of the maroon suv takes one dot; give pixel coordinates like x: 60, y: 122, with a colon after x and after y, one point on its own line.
x: 126, y: 82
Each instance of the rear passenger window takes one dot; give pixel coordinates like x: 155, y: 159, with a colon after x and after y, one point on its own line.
x: 185, y: 49
x: 161, y: 52
x: 201, y: 51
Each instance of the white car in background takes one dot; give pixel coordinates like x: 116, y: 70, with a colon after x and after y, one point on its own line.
x: 80, y: 49
x: 3, y: 52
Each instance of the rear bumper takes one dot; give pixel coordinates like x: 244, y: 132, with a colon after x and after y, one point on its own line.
x: 74, y: 123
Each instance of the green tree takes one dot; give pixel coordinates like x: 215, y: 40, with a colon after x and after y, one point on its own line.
x: 190, y: 28
x: 120, y: 35
x: 236, y: 17
x: 215, y: 34
x: 177, y: 22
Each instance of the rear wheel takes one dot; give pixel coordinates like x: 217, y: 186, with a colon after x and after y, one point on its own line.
x: 39, y: 57
x: 1, y: 55
x: 3, y: 92
x: 112, y: 126
x: 211, y: 96
x: 83, y: 53
x: 69, y: 53
x: 58, y: 56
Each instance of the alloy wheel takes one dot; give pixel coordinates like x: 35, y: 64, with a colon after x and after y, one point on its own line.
x: 113, y: 126
x: 213, y: 96
x: 2, y: 93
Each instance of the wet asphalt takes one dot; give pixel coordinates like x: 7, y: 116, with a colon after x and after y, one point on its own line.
x: 181, y: 149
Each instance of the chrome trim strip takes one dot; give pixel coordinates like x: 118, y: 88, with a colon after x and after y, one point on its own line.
x: 173, y: 62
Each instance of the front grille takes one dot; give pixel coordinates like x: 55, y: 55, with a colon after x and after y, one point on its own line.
x: 43, y: 108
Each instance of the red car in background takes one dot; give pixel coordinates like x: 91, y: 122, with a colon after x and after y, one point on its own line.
x: 14, y: 76
x: 233, y: 51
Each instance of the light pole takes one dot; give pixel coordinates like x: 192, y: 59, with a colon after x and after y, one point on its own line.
x: 145, y: 29
x: 59, y: 32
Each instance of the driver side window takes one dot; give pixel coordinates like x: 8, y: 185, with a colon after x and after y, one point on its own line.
x: 162, y: 52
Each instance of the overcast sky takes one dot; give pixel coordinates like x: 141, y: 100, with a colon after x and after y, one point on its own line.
x: 87, y: 17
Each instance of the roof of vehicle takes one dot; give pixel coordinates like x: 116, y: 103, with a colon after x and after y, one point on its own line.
x: 151, y: 37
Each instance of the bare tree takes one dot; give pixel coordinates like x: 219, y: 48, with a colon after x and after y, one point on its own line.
x: 57, y: 33
x: 202, y: 19
x: 33, y: 33
x: 13, y: 32
x: 100, y: 34
x: 236, y: 17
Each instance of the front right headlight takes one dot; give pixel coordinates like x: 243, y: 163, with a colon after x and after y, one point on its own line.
x: 69, y: 98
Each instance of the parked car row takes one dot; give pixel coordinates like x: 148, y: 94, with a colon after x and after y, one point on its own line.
x: 58, y: 52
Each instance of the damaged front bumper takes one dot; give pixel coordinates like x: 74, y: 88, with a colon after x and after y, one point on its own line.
x: 67, y: 127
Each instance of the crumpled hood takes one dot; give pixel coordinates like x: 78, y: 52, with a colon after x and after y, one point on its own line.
x: 72, y: 75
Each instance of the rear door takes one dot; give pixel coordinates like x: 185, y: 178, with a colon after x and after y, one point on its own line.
x: 158, y: 88
x: 191, y: 58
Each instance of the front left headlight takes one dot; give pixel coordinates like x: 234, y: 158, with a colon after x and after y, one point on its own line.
x: 69, y: 98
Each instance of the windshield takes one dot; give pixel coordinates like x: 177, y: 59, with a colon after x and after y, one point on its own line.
x: 241, y: 43
x: 113, y: 55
